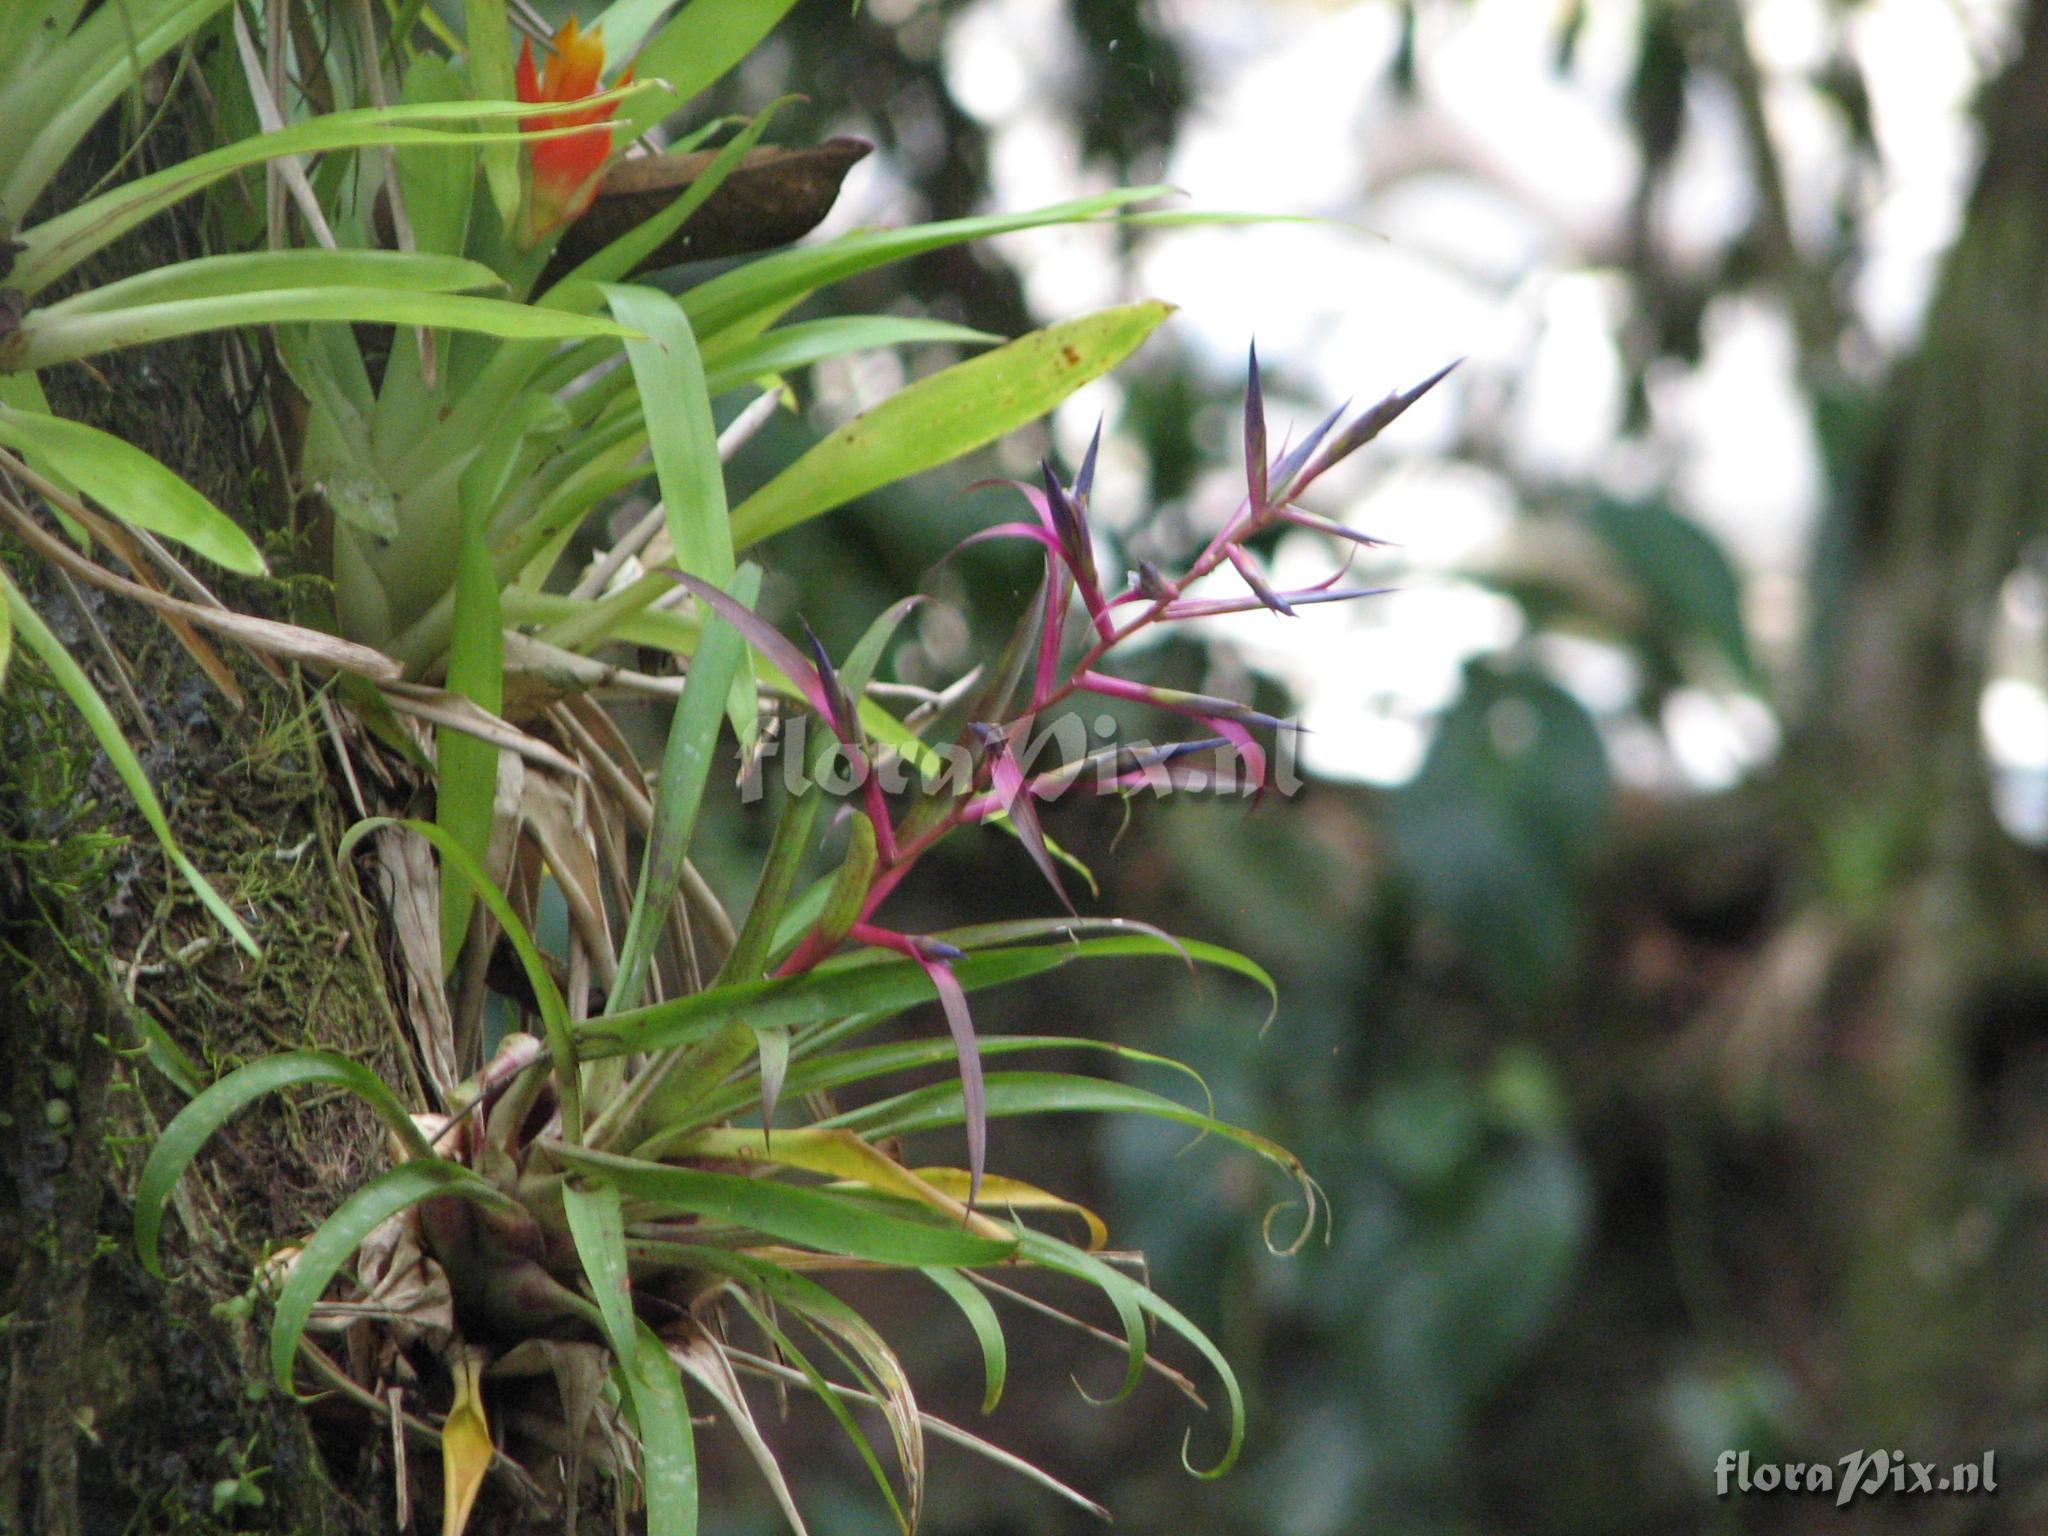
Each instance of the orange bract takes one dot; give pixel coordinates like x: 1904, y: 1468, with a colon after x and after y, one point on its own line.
x: 565, y: 170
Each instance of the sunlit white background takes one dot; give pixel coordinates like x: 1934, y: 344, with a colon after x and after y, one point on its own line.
x: 1482, y: 217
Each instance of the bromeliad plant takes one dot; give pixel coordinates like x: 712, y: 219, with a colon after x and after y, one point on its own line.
x: 624, y: 1197
x: 591, y: 1213
x: 62, y: 65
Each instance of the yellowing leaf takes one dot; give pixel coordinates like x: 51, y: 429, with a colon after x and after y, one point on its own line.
x: 465, y: 1447
x: 998, y: 1192
x: 844, y: 1156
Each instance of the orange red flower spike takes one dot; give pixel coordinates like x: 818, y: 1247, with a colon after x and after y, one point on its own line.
x: 565, y: 170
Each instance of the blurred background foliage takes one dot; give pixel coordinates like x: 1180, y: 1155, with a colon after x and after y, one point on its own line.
x: 1660, y: 928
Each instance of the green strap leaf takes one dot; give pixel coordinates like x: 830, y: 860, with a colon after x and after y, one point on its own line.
x: 790, y: 347
x: 466, y: 778
x: 216, y: 1105
x: 776, y: 281
x: 708, y: 38
x: 46, y: 337
x: 675, y: 409
x: 988, y: 1330
x: 1125, y: 1294
x: 788, y: 1213
x: 668, y: 1460
x: 85, y: 698
x: 131, y: 485
x: 1054, y: 1093
x: 679, y: 792
x: 45, y: 113
x: 342, y: 1233
x: 215, y: 277
x: 55, y: 246
x: 839, y: 1069
x: 487, y: 41
x: 865, y: 983
x: 950, y: 413
x: 680, y: 431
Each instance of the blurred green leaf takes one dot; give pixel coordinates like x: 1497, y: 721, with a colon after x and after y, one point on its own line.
x: 1494, y: 831
x: 48, y: 337
x: 487, y: 39
x: 1687, y: 581
x: 258, y: 272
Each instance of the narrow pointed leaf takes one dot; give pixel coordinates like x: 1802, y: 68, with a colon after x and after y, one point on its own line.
x: 1286, y: 472
x: 972, y: 1095
x: 1124, y: 1292
x: 1369, y: 426
x: 988, y: 1331
x: 1255, y: 433
x: 863, y: 1350
x: 707, y: 1364
x: 78, y: 688
x: 828, y: 1394
x: 788, y: 1213
x: 762, y: 636
x: 774, y: 1371
x: 950, y: 413
x: 466, y: 1448
x: 679, y: 791
x: 1008, y: 781
x: 218, y: 1103
x: 131, y: 485
x: 336, y: 1238
x: 668, y: 1457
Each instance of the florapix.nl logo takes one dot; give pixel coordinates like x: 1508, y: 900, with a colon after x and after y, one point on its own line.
x: 1858, y: 1475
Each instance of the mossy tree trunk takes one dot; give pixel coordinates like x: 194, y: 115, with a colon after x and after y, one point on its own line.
x: 131, y: 1405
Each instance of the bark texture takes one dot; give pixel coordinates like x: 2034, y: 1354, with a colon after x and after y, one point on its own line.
x: 1913, y: 921
x: 132, y: 1405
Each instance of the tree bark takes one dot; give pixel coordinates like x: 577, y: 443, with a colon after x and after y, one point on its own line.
x: 1927, y: 908
x: 131, y: 1404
